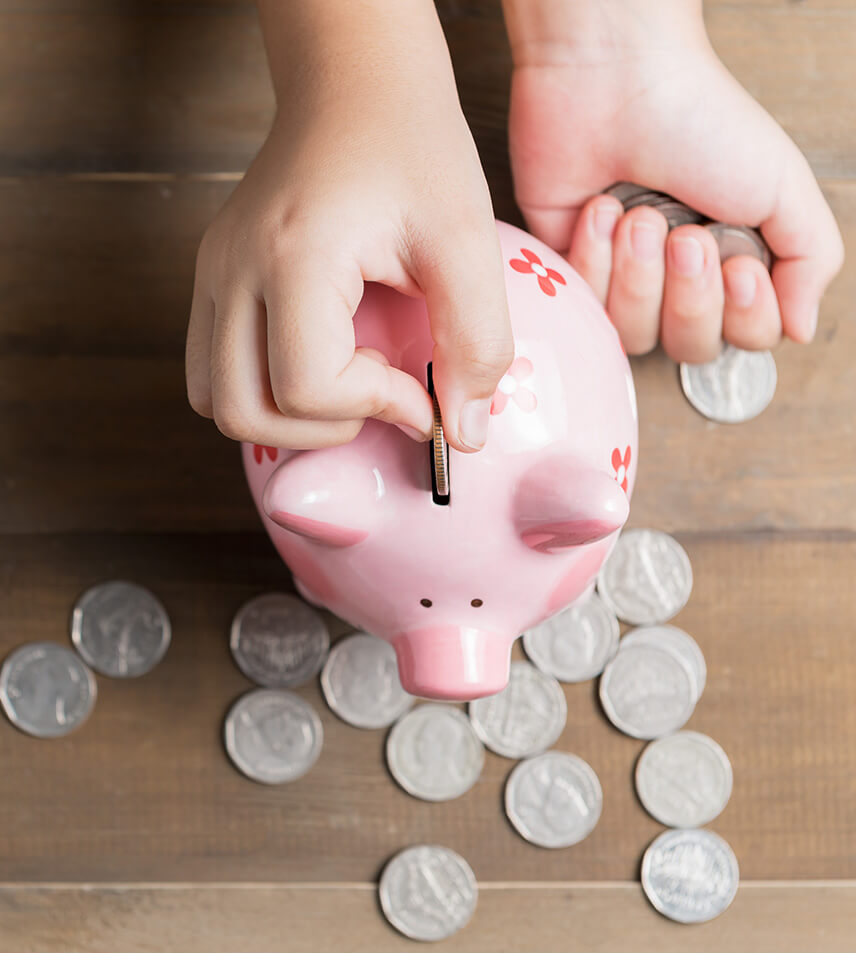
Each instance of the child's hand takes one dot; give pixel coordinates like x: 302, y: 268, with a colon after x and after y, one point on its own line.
x: 631, y: 90
x: 369, y: 174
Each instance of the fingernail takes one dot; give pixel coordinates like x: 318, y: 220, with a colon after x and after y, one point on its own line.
x: 644, y: 241
x: 741, y: 287
x: 472, y: 429
x: 812, y: 322
x: 605, y: 218
x: 413, y: 433
x: 687, y: 256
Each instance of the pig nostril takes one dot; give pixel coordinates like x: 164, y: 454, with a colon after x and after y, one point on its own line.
x: 426, y: 602
x: 476, y: 603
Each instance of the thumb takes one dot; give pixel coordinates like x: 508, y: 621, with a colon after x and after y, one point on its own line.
x: 464, y: 286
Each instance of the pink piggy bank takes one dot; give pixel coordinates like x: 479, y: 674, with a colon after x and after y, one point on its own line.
x: 530, y: 518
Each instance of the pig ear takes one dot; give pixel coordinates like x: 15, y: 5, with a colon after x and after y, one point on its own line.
x: 331, y: 502
x: 560, y: 503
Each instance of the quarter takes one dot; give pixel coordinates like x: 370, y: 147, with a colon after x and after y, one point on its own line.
x: 120, y: 629
x: 734, y: 387
x: 428, y: 892
x: 278, y: 641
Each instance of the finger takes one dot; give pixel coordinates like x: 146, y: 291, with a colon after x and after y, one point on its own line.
x: 243, y: 405
x: 464, y: 285
x: 636, y: 287
x: 316, y: 372
x: 750, y: 319
x: 691, y: 325
x: 553, y: 226
x: 590, y: 252
x: 197, y: 351
x: 805, y: 238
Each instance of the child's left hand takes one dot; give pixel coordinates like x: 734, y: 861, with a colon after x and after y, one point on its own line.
x: 627, y: 90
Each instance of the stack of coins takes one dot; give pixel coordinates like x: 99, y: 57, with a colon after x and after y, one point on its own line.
x: 737, y: 385
x: 119, y: 629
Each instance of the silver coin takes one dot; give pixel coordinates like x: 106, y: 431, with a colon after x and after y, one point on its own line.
x: 734, y: 387
x: 360, y: 682
x: 680, y: 643
x: 740, y: 240
x: 627, y: 192
x: 575, y: 644
x: 428, y: 892
x: 690, y: 875
x: 684, y: 780
x: 647, y: 577
x: 554, y: 799
x: 46, y: 690
x: 676, y: 213
x: 273, y: 736
x: 525, y: 718
x: 647, y: 691
x: 120, y: 629
x: 279, y: 641
x: 434, y: 754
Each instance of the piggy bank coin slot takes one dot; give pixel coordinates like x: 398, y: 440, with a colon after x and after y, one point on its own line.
x: 439, y: 450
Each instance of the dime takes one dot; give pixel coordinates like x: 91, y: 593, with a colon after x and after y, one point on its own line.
x: 690, y: 875
x: 279, y: 641
x: 732, y: 388
x: 273, y: 735
x: 428, y: 892
x: 553, y: 799
x: 525, y: 718
x: 46, y: 690
x: 360, y: 682
x: 646, y: 691
x: 575, y: 644
x: 679, y: 643
x: 647, y: 578
x: 120, y: 629
x: 740, y: 240
x: 684, y: 780
x: 434, y: 754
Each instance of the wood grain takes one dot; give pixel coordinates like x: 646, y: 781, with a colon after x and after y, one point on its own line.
x: 176, y: 86
x: 550, y: 919
x: 144, y: 791
x: 96, y: 279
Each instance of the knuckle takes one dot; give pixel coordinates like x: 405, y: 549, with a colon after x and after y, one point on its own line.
x: 232, y: 421
x: 200, y: 401
x: 300, y: 399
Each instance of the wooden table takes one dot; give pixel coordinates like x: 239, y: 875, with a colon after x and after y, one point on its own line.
x: 123, y: 129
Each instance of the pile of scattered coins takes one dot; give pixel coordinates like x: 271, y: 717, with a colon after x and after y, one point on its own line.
x: 119, y: 629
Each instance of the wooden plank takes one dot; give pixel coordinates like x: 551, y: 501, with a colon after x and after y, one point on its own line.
x: 602, y: 919
x: 185, y: 87
x: 144, y: 792
x: 96, y: 280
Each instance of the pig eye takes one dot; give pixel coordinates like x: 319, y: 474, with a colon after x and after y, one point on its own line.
x: 476, y: 603
x: 426, y: 602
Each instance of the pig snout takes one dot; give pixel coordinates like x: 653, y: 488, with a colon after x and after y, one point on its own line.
x: 452, y: 662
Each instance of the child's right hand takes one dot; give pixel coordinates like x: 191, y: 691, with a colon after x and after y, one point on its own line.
x: 369, y: 174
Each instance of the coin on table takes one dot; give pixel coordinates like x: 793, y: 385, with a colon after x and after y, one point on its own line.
x: 433, y: 753
x: 120, y: 629
x: 684, y: 780
x: 46, y: 690
x: 525, y: 718
x: 690, y: 875
x: 647, y: 691
x: 272, y: 735
x: 575, y: 644
x: 678, y: 642
x: 740, y: 240
x: 734, y: 387
x: 554, y: 799
x: 647, y: 577
x: 361, y: 684
x: 279, y: 641
x: 428, y: 892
